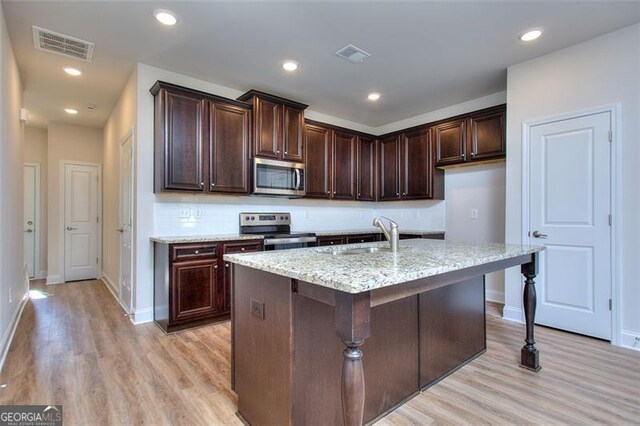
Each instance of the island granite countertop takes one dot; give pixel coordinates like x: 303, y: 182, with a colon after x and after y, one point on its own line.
x: 204, y: 238
x: 375, y: 231
x: 415, y: 259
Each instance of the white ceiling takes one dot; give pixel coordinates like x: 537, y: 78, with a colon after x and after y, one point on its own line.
x: 425, y: 55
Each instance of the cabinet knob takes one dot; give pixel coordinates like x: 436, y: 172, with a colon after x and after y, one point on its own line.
x: 213, y: 184
x: 404, y: 193
x: 334, y: 192
x: 243, y: 249
x: 226, y: 265
x: 286, y: 152
x: 215, y: 266
x: 473, y: 154
x: 197, y: 252
x: 331, y: 242
x: 277, y: 151
x: 201, y: 183
x: 359, y: 194
x: 397, y: 194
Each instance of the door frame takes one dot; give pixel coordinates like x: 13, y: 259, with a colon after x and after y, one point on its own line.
x: 129, y: 135
x: 37, y: 273
x: 63, y: 189
x: 615, y: 198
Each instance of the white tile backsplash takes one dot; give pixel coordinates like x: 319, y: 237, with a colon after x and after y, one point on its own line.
x: 219, y: 214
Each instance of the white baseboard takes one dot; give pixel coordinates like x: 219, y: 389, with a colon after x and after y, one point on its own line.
x: 494, y: 296
x: 629, y: 340
x: 510, y: 313
x: 108, y: 282
x: 143, y: 315
x: 11, y: 330
x: 41, y: 275
x: 54, y: 279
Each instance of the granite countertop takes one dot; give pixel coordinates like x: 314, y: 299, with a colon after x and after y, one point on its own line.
x: 204, y: 238
x: 415, y: 259
x: 373, y: 230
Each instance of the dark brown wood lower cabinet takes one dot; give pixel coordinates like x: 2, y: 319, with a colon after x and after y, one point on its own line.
x: 192, y: 282
x: 331, y: 240
x: 336, y: 240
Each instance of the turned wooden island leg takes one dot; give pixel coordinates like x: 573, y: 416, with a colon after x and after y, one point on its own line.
x: 529, y: 356
x: 353, y: 314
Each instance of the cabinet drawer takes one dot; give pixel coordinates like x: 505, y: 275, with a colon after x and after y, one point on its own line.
x: 330, y: 241
x: 193, y: 251
x: 242, y: 247
x: 365, y: 238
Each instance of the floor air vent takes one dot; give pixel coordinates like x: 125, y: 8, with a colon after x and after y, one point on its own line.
x: 62, y: 44
x: 353, y: 54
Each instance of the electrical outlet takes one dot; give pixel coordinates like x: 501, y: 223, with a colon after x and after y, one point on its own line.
x: 635, y: 343
x: 184, y: 213
x: 257, y: 309
x: 197, y: 213
x: 474, y: 214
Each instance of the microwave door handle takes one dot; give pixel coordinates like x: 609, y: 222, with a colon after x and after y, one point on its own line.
x: 297, y: 172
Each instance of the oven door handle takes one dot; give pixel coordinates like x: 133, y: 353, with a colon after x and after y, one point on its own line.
x: 297, y: 172
x: 274, y: 241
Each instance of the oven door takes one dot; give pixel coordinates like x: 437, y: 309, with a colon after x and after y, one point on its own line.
x: 288, y: 243
x: 272, y: 177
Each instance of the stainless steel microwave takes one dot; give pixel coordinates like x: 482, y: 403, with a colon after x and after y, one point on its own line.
x: 273, y: 177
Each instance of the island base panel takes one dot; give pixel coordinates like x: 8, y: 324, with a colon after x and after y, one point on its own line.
x: 452, y: 328
x: 390, y: 361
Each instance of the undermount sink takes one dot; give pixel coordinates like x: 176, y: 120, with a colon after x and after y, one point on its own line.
x: 362, y: 250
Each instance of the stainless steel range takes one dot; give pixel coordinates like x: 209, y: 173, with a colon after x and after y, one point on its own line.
x: 276, y: 229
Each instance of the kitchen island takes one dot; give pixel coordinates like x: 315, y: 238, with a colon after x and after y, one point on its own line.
x: 335, y: 336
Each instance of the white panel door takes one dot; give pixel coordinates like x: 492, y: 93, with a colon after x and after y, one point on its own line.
x: 81, y: 222
x: 29, y: 218
x: 569, y: 213
x: 126, y: 221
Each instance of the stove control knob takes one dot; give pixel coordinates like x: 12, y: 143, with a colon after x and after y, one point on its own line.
x: 281, y: 217
x: 253, y: 218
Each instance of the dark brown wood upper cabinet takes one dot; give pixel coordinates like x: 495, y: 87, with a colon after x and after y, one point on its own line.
x: 278, y: 126
x: 293, y: 143
x: 416, y: 170
x: 366, y: 169
x: 487, y: 135
x: 228, y: 149
x: 390, y: 168
x: 451, y: 142
x: 343, y: 166
x: 474, y: 137
x: 318, y: 161
x: 201, y: 141
x: 179, y: 146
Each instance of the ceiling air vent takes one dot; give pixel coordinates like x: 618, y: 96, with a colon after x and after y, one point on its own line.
x: 62, y: 44
x: 353, y: 54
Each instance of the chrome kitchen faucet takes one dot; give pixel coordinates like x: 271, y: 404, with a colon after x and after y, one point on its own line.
x: 390, y: 234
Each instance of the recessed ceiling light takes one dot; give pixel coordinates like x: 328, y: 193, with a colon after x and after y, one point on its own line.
x: 531, y: 35
x: 72, y: 71
x: 165, y: 17
x: 374, y: 96
x: 290, y: 65
x: 70, y: 111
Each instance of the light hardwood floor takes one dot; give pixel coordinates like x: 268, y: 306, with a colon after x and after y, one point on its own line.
x: 77, y: 348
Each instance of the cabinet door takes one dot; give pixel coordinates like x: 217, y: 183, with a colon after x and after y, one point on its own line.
x: 267, y: 128
x: 318, y: 165
x: 293, y: 142
x: 330, y: 240
x: 183, y: 131
x: 450, y: 140
x: 344, y: 166
x: 194, y: 290
x: 487, y: 135
x: 389, y: 168
x: 228, y: 149
x: 416, y: 165
x: 365, y: 169
x: 224, y: 301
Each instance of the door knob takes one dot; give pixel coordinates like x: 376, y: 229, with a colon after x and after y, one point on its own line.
x: 71, y: 228
x: 538, y: 234
x: 29, y: 230
x: 120, y: 230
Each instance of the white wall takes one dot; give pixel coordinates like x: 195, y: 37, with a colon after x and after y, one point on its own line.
x: 481, y: 188
x: 121, y: 122
x: 601, y: 71
x: 35, y: 151
x: 71, y: 143
x: 13, y: 285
